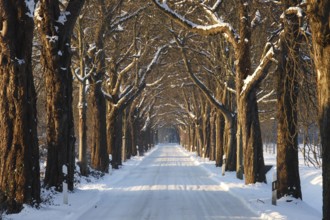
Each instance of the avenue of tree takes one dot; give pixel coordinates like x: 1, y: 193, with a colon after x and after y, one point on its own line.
x: 89, y: 79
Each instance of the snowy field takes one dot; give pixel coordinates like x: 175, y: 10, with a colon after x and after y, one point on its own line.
x: 169, y: 183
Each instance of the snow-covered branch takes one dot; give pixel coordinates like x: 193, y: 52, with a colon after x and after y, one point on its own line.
x: 155, y: 59
x: 126, y: 91
x: 294, y: 10
x: 260, y: 71
x: 155, y: 82
x: 121, y: 74
x: 107, y: 96
x: 266, y: 96
x: 137, y: 89
x: 216, y: 5
x: 218, y: 28
x: 127, y: 17
x: 209, y: 95
x: 82, y: 79
x: 297, y: 11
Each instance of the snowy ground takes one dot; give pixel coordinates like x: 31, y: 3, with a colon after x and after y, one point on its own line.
x: 171, y: 183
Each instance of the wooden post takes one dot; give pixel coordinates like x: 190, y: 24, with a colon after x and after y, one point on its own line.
x: 110, y: 165
x: 65, y: 185
x: 274, y: 189
x: 223, y: 164
x: 203, y: 154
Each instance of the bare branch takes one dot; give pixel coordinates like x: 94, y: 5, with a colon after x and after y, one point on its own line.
x: 266, y: 96
x: 260, y: 72
x: 218, y: 28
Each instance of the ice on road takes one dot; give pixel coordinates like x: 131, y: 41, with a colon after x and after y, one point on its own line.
x: 166, y: 185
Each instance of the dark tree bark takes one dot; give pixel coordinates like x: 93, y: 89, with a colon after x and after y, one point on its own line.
x: 230, y: 129
x: 219, y: 127
x: 287, y: 92
x: 212, y: 134
x: 99, y: 154
x: 247, y: 109
x: 319, y: 13
x: 132, y: 125
x: 100, y: 158
x: 124, y: 152
x: 19, y: 152
x: 114, y: 132
x: 56, y: 59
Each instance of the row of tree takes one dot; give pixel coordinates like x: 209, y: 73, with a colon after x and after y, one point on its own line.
x: 236, y: 131
x: 78, y: 44
x: 121, y: 60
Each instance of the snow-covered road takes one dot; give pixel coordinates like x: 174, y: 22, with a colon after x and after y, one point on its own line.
x: 172, y: 184
x: 166, y: 185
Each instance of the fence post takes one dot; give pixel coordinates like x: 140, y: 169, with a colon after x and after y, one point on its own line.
x: 65, y: 185
x: 203, y: 149
x: 137, y: 150
x: 110, y: 164
x: 223, y: 164
x: 274, y: 189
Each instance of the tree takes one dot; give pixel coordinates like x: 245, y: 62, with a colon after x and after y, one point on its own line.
x: 55, y: 28
x: 19, y: 152
x: 287, y: 92
x: 110, y: 17
x: 229, y: 116
x: 319, y: 13
x: 99, y: 155
x: 248, y: 132
x: 82, y: 78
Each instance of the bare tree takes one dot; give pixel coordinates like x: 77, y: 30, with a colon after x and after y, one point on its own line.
x: 287, y: 92
x: 248, y: 132
x: 56, y: 22
x: 319, y: 14
x: 19, y: 152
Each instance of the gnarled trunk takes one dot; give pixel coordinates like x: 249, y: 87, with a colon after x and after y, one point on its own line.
x: 212, y: 134
x: 319, y: 14
x: 230, y: 143
x: 219, y: 140
x: 249, y: 143
x: 19, y: 152
x: 251, y: 139
x: 114, y: 134
x: 100, y: 158
x: 287, y: 91
x: 56, y: 59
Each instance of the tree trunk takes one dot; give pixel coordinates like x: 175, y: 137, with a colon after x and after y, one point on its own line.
x: 287, y: 92
x: 206, y: 131
x: 100, y: 158
x: 114, y: 134
x: 132, y: 115
x: 219, y: 127
x: 249, y: 133
x: 19, y: 152
x: 212, y: 134
x: 230, y: 140
x: 319, y: 14
x: 117, y: 150
x: 82, y: 109
x: 251, y: 139
x: 56, y: 59
x: 124, y: 147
